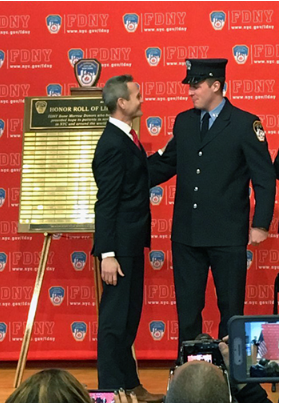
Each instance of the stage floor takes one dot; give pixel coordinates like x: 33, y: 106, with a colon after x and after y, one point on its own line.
x: 153, y: 375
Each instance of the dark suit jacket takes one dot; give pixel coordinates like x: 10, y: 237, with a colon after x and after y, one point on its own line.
x: 122, y: 211
x: 212, y: 188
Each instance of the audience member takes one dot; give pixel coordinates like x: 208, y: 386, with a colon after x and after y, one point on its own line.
x: 50, y: 386
x: 244, y: 393
x: 198, y: 382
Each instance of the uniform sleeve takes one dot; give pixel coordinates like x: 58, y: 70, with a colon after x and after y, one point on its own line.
x: 164, y: 167
x: 262, y: 172
x: 109, y: 170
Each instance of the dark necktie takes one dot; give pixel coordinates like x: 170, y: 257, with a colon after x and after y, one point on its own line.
x: 135, y: 138
x: 205, y: 125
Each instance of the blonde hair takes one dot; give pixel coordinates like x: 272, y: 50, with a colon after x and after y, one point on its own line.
x: 50, y: 386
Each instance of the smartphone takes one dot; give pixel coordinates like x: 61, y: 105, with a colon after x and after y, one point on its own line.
x: 254, y: 348
x: 101, y: 396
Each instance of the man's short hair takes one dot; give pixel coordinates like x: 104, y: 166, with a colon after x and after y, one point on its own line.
x: 115, y: 88
x: 198, y: 382
x: 221, y: 80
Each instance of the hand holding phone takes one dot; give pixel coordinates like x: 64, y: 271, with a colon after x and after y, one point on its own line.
x: 254, y: 348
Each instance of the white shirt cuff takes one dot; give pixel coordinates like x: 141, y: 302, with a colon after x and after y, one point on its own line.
x: 108, y: 254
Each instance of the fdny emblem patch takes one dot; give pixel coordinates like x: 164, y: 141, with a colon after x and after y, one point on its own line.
x: 54, y: 23
x: 2, y: 58
x: 258, y: 129
x: 56, y: 295
x: 217, y: 19
x: 2, y: 127
x: 79, y: 330
x: 240, y: 53
x: 157, y: 329
x: 54, y: 90
x: 3, y: 331
x: 156, y: 195
x: 2, y: 197
x: 249, y: 258
x: 153, y: 56
x: 154, y: 125
x: 157, y: 258
x: 78, y: 260
x: 74, y: 56
x: 130, y: 22
x: 3, y: 261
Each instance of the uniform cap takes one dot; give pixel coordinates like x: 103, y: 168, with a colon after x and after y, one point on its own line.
x: 201, y: 69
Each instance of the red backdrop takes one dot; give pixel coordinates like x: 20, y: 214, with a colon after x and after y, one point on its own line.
x: 149, y: 40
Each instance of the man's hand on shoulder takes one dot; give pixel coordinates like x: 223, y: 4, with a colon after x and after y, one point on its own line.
x: 257, y: 235
x: 110, y: 269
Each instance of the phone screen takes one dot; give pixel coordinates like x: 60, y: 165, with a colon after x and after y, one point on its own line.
x: 262, y: 349
x: 99, y: 396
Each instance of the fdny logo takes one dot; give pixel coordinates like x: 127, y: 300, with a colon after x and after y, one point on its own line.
x: 240, y: 53
x: 249, y: 258
x: 2, y: 127
x: 54, y: 23
x: 78, y: 330
x: 130, y: 22
x: 250, y: 191
x: 156, y: 195
x: 75, y: 55
x: 154, y: 125
x: 56, y: 295
x: 218, y: 19
x: 157, y: 329
x: 54, y: 90
x: 2, y: 58
x: 87, y: 72
x: 56, y: 237
x: 157, y: 259
x: 225, y: 89
x: 78, y: 260
x: 3, y: 331
x: 3, y: 261
x: 2, y: 197
x: 153, y: 56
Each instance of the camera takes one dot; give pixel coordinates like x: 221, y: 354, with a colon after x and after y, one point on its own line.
x: 204, y: 349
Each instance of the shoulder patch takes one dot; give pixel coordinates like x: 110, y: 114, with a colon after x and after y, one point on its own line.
x: 258, y: 129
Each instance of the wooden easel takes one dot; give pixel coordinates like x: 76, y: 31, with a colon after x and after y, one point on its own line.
x: 34, y: 304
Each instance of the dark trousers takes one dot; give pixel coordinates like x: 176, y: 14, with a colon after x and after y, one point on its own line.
x: 191, y: 267
x: 119, y: 317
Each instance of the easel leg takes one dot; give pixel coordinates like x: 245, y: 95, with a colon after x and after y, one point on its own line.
x: 32, y: 310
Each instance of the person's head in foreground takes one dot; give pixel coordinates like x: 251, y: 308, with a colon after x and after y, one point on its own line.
x: 198, y: 382
x: 50, y: 386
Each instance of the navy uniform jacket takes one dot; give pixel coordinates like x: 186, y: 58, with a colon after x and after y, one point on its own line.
x: 212, y: 188
x: 122, y: 210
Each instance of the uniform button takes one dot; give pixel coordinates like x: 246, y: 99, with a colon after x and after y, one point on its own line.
x: 196, y: 189
x: 195, y: 205
x: 200, y: 153
x: 198, y: 171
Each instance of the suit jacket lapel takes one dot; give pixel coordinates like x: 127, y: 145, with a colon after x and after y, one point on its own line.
x: 141, y: 154
x: 220, y: 123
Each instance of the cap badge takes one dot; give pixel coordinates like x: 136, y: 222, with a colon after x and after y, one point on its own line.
x: 188, y: 65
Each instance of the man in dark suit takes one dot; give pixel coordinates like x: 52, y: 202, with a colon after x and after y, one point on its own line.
x: 122, y: 231
x: 215, y: 151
